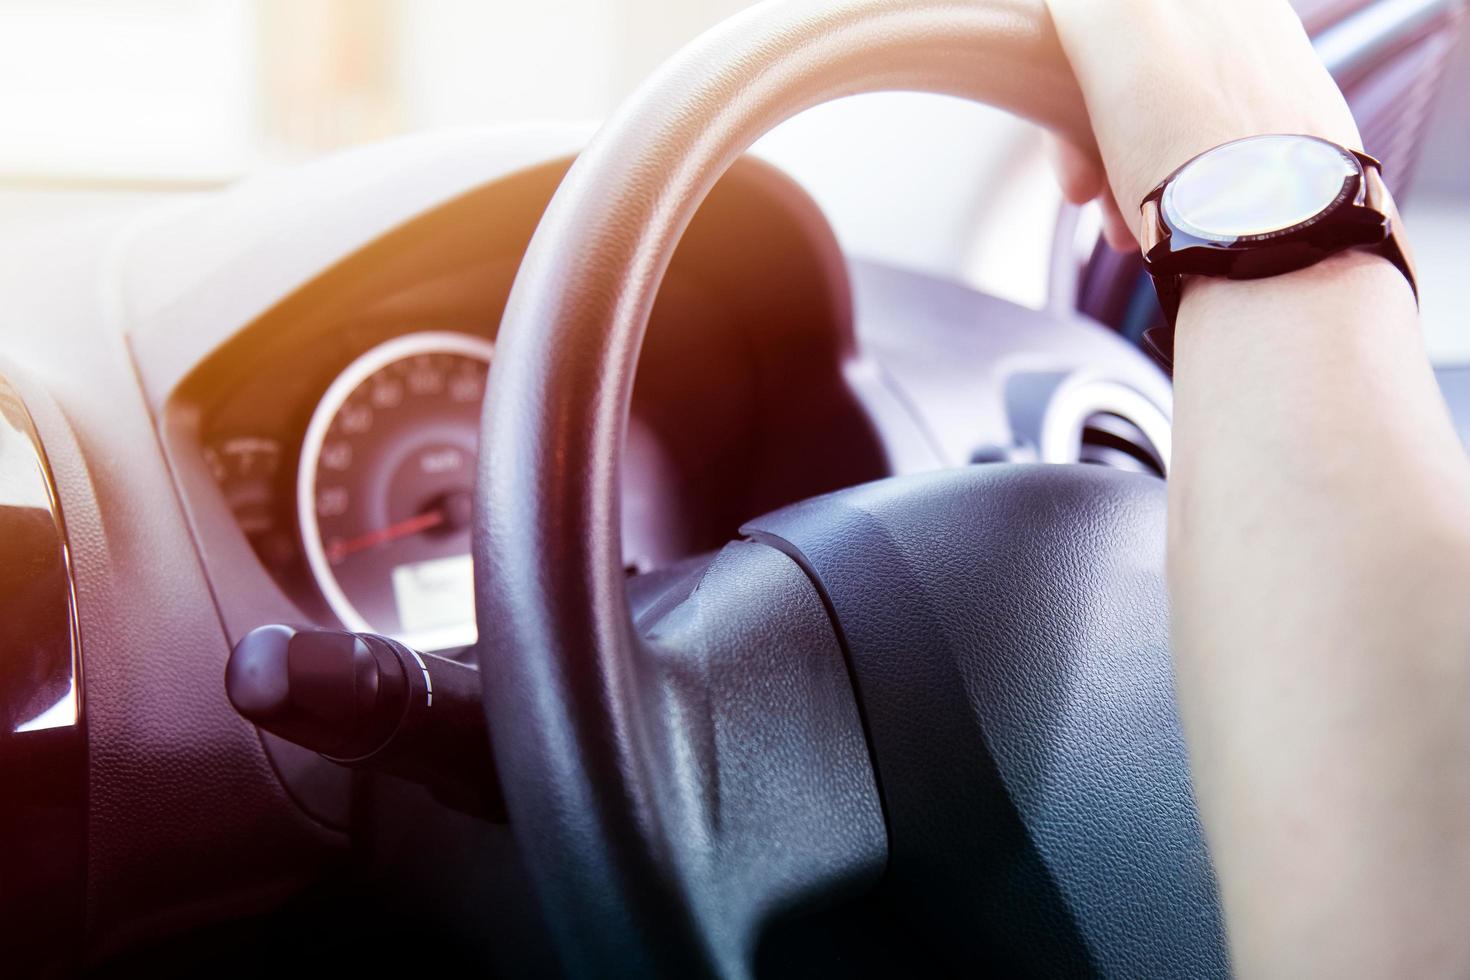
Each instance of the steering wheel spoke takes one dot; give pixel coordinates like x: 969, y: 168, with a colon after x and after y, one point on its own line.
x: 766, y: 791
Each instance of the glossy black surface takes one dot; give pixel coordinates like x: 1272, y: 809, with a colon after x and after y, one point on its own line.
x: 42, y: 740
x: 368, y: 701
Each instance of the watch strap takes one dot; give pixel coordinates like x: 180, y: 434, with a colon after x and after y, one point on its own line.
x: 1395, y: 246
x: 1158, y: 341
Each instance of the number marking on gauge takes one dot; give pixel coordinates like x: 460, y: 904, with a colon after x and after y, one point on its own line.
x: 383, y: 488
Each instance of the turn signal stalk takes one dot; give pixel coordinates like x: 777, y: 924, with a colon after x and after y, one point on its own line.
x: 369, y: 702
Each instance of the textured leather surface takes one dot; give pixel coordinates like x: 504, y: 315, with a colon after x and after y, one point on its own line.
x: 765, y: 789
x: 561, y: 683
x: 1007, y: 629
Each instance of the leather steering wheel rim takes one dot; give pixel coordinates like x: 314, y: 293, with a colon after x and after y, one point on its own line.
x: 557, y: 643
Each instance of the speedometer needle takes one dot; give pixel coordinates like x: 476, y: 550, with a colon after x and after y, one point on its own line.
x: 422, y: 522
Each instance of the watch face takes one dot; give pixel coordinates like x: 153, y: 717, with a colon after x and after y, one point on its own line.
x: 1258, y: 187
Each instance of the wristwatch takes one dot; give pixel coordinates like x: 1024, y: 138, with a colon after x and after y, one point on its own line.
x: 1263, y: 206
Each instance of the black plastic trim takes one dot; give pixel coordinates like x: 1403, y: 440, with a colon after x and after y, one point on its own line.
x: 43, y: 746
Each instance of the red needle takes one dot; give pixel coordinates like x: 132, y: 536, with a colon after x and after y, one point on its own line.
x: 338, y: 550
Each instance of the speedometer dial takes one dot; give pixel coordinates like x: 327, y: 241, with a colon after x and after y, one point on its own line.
x: 385, y: 487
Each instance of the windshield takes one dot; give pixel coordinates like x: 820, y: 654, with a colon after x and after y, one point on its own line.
x: 205, y: 90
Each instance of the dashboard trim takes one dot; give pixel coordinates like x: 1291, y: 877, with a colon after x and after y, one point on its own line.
x: 176, y: 284
x: 43, y: 740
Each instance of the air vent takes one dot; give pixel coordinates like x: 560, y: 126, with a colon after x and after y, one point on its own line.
x: 1116, y: 442
x: 1077, y: 418
x: 1098, y: 422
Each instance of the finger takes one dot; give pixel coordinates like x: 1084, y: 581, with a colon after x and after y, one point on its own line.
x: 1080, y: 174
x: 1117, y: 230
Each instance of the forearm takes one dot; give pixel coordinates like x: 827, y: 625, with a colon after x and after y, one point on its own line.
x: 1319, y: 567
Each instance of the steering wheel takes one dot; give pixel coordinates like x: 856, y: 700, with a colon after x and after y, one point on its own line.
x: 929, y: 719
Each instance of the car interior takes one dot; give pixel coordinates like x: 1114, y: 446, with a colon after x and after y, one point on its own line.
x: 555, y: 549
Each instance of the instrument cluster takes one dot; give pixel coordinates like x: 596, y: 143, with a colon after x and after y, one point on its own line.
x: 363, y: 514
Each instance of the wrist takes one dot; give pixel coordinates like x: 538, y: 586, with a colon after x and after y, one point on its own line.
x: 1340, y: 301
x: 1352, y: 271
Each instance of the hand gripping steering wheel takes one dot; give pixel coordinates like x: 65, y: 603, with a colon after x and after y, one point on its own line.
x: 924, y: 724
